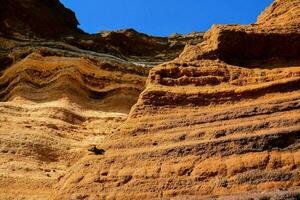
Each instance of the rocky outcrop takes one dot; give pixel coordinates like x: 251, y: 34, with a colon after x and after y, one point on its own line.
x: 222, y: 121
x: 48, y: 18
x: 37, y: 21
x: 251, y: 46
x: 145, y: 48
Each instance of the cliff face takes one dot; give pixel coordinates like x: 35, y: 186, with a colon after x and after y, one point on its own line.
x: 222, y: 121
x: 62, y: 90
x: 55, y: 101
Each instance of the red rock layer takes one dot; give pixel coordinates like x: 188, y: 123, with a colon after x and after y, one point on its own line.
x: 83, y: 80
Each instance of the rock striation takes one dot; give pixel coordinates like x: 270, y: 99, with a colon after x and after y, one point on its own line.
x: 145, y: 48
x: 216, y: 118
x: 221, y: 121
x: 63, y: 91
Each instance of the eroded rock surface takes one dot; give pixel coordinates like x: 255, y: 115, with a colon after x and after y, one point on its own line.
x: 54, y: 105
x: 63, y: 91
x: 281, y: 13
x: 222, y: 121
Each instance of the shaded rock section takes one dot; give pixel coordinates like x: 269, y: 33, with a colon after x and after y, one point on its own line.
x: 251, y: 46
x: 133, y: 45
x: 47, y: 18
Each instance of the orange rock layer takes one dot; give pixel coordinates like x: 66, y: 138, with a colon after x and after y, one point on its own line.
x: 220, y: 121
x: 281, y: 12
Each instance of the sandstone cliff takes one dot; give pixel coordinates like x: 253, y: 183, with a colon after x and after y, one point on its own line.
x: 222, y: 121
x: 217, y: 118
x: 62, y: 90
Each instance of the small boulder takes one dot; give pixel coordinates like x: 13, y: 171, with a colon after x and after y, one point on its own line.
x: 96, y: 151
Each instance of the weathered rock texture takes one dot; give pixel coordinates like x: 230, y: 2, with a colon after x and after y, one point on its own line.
x: 56, y: 101
x: 136, y: 46
x: 281, y: 13
x: 62, y: 91
x: 222, y: 121
x: 249, y: 46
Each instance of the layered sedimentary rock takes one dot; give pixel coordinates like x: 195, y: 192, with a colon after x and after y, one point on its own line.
x: 145, y: 48
x: 54, y: 104
x: 206, y: 129
x: 62, y: 90
x: 249, y: 46
x: 222, y: 121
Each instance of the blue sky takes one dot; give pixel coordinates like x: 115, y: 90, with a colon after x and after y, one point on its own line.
x: 163, y: 17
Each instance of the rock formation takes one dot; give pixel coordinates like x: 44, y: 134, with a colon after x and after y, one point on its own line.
x: 62, y: 90
x: 281, y: 13
x: 220, y: 121
x: 47, y: 18
x: 56, y: 101
x: 145, y: 48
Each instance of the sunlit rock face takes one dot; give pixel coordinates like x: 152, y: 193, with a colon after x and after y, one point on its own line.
x: 197, y: 116
x: 281, y: 13
x: 63, y: 91
x: 220, y: 121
